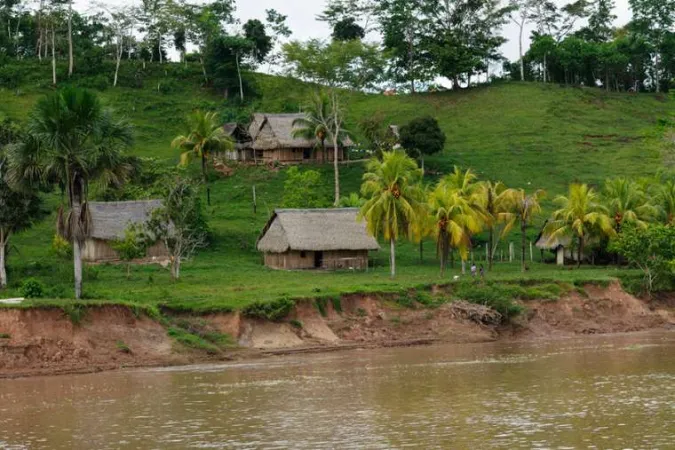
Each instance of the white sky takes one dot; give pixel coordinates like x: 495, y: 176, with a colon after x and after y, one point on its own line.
x: 302, y: 18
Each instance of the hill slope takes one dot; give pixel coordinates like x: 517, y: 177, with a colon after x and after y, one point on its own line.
x: 526, y: 135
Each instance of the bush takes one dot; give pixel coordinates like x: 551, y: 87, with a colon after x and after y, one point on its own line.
x: 61, y: 248
x: 98, y: 82
x: 501, y: 298
x: 274, y: 310
x: 32, y: 288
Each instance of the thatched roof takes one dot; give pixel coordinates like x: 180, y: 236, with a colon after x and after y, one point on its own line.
x: 273, y: 131
x: 315, y: 230
x: 545, y: 242
x: 111, y: 219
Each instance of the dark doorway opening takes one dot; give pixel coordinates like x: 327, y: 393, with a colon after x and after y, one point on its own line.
x: 318, y: 260
x: 307, y: 154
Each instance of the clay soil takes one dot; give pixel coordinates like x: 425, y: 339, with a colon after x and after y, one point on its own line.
x: 43, y: 341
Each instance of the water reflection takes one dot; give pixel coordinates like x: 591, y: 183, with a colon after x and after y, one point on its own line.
x: 599, y: 392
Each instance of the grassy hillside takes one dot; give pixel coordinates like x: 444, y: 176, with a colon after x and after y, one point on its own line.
x: 526, y: 135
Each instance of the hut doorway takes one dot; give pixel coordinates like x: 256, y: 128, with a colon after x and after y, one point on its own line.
x: 307, y: 154
x: 318, y: 260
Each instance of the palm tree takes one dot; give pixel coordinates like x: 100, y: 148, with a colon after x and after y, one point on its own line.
x: 463, y: 181
x: 494, y: 199
x: 523, y: 209
x: 455, y: 219
x: 665, y: 197
x: 581, y: 215
x: 74, y: 141
x: 324, y: 119
x: 627, y: 202
x: 204, y: 136
x: 314, y: 125
x: 394, y: 199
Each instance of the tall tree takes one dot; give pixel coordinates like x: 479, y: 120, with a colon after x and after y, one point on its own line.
x: 627, y: 202
x: 75, y: 142
x: 393, y: 198
x: 524, y: 208
x: 422, y: 136
x: 456, y: 219
x: 494, y: 199
x: 403, y: 27
x: 204, y: 136
x: 581, y: 216
x: 655, y: 18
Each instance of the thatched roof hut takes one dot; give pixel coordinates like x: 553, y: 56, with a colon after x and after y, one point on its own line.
x: 316, y: 238
x: 110, y: 220
x: 275, y: 131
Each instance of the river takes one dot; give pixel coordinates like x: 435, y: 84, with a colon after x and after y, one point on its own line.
x: 596, y: 392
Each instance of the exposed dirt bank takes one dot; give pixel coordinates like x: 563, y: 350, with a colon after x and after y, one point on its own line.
x: 44, y: 341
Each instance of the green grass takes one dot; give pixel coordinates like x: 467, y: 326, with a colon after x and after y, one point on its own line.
x: 527, y: 135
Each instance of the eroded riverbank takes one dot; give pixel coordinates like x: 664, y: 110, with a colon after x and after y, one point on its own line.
x: 46, y: 341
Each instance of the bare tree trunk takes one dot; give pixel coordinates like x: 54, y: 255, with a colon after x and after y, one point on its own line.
x: 580, y: 251
x: 3, y: 271
x: 491, y: 247
x: 392, y: 257
x: 545, y: 68
x: 175, y: 268
x: 206, y: 179
x: 521, y: 24
x: 201, y: 61
x: 241, y: 84
x: 70, y: 38
x: 77, y: 266
x: 523, y: 243
x: 119, y: 59
x: 53, y: 57
x: 159, y: 48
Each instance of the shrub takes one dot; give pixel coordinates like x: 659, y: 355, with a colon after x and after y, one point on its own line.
x: 32, y: 288
x: 122, y: 347
x: 499, y: 297
x: 75, y: 312
x: 337, y: 303
x: 61, y: 248
x: 320, y: 304
x: 5, y: 336
x: 296, y: 324
x: 274, y: 310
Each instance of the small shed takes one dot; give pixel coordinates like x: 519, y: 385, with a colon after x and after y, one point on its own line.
x: 110, y: 220
x: 329, y: 239
x: 560, y: 246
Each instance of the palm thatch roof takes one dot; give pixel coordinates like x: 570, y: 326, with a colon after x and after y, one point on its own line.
x: 111, y: 219
x: 315, y: 230
x: 545, y: 242
x: 273, y: 131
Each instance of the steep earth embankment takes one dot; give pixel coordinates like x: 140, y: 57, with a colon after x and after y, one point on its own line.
x: 42, y: 341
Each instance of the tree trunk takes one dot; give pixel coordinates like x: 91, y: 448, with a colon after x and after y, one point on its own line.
x: 491, y: 247
x: 77, y: 265
x: 392, y: 256
x: 206, y: 179
x: 336, y: 169
x: 463, y: 266
x: 523, y: 243
x: 3, y: 271
x: 241, y: 84
x: 159, y: 48
x: 520, y: 50
x: 70, y: 38
x: 117, y: 65
x: 201, y: 61
x: 545, y: 69
x: 53, y: 58
x: 175, y: 268
x: 421, y: 251
x: 580, y: 251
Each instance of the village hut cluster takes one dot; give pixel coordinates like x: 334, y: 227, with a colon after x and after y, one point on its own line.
x: 270, y: 138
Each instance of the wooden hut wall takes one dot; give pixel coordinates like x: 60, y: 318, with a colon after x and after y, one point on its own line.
x: 290, y: 260
x: 97, y: 250
x: 345, y: 259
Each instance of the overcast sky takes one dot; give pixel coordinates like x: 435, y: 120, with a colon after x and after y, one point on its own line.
x: 302, y: 18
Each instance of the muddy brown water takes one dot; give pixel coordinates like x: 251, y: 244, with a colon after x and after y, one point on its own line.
x: 590, y: 393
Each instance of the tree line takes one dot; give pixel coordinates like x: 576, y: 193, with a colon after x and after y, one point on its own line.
x: 408, y: 43
x: 619, y: 219
x: 207, y: 33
